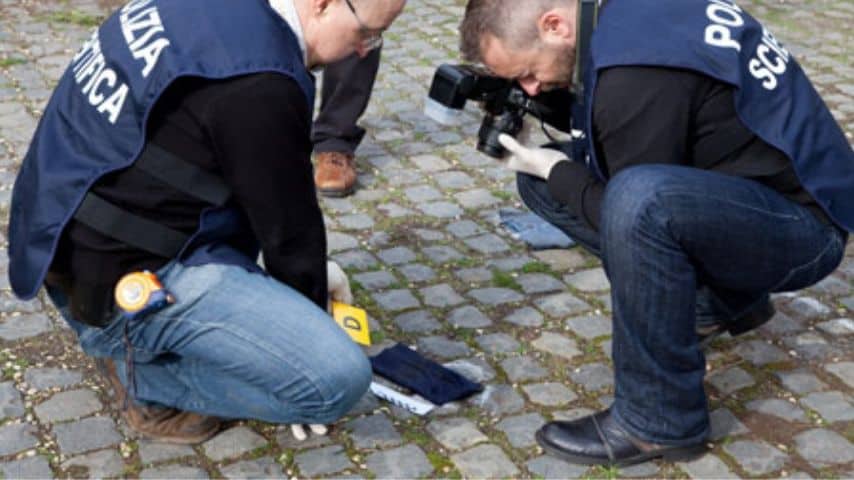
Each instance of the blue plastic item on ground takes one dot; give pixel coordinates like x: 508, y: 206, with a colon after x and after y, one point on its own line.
x: 533, y: 230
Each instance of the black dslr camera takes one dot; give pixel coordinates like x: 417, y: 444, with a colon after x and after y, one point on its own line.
x: 504, y: 102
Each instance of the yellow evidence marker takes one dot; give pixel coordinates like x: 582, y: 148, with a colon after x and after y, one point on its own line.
x: 353, y: 320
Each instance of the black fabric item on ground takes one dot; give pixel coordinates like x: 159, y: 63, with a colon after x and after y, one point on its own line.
x: 409, y: 369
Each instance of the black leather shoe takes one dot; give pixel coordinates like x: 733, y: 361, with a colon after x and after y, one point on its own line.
x: 751, y: 320
x: 598, y: 440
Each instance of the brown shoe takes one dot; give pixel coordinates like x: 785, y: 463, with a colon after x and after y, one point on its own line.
x: 334, y: 173
x: 159, y: 423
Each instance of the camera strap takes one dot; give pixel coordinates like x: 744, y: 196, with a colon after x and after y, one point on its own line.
x: 587, y: 17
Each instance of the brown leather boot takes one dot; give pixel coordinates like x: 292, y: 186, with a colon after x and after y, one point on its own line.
x: 334, y: 173
x: 159, y: 423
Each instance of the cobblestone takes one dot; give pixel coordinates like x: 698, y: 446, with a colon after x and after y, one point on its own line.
x: 549, y: 394
x: 101, y: 464
x: 801, y: 381
x: 725, y: 424
x: 521, y: 428
x: 24, y: 326
x: 521, y: 369
x: 593, y: 377
x: 264, y: 467
x: 844, y: 371
x: 759, y: 352
x: 154, y: 452
x: 375, y: 431
x: 405, y: 461
x: 756, y: 458
x: 525, y: 317
x: 84, y: 435
x: 485, y: 461
x: 456, y: 433
x: 561, y: 305
x: 731, y: 380
x: 419, y: 321
x: 233, y: 443
x: 11, y: 403
x: 499, y: 400
x: 832, y: 406
x: 15, y: 438
x: 823, y: 447
x: 497, y: 343
x: 323, y: 461
x: 44, y: 378
x: 556, y: 344
x: 68, y: 405
x: 173, y: 471
x: 778, y: 408
x: 442, y: 295
x: 29, y: 468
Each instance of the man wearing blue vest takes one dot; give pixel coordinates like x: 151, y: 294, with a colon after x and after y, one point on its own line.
x: 178, y: 142
x: 714, y: 175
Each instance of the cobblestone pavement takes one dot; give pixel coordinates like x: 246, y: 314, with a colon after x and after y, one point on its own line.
x: 429, y: 262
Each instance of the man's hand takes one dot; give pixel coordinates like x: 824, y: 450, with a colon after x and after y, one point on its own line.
x: 298, y: 430
x: 338, y: 285
x: 534, y: 161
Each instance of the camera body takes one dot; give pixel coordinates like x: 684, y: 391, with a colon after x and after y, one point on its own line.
x: 505, y: 104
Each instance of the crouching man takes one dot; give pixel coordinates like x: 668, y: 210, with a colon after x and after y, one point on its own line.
x: 716, y: 176
x: 178, y: 142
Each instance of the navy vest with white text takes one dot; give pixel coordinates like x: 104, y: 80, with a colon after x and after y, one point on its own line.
x: 773, y: 97
x: 95, y: 121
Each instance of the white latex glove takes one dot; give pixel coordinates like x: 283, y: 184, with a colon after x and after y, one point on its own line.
x: 337, y: 284
x: 298, y: 430
x: 534, y: 161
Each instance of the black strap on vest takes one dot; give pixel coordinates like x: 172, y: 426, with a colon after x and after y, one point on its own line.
x: 182, y: 175
x: 116, y: 222
x: 717, y: 146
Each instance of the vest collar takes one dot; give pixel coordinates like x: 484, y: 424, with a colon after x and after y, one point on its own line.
x: 288, y: 11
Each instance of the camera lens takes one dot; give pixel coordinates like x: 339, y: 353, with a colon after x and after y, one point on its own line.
x: 509, y: 122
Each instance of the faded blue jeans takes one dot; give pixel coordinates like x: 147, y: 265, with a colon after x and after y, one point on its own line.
x: 665, y: 233
x: 236, y: 344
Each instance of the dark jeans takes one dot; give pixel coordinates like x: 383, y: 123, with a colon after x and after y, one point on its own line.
x: 347, y: 86
x: 667, y: 232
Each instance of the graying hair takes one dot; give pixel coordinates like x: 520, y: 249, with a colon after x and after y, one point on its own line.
x: 511, y: 21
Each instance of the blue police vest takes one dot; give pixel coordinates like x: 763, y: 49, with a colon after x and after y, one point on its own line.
x: 95, y: 121
x: 773, y: 96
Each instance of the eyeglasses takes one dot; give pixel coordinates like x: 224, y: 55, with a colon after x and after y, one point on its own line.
x: 371, y: 38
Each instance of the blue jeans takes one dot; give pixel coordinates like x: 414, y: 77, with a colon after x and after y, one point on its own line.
x: 235, y: 344
x: 665, y: 233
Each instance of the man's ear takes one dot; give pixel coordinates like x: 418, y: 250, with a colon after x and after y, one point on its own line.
x: 318, y: 7
x: 555, y: 25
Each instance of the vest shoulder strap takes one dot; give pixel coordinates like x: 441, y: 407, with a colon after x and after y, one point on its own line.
x: 134, y: 230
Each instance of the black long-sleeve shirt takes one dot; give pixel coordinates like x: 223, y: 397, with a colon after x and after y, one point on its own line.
x: 254, y: 132
x: 644, y: 115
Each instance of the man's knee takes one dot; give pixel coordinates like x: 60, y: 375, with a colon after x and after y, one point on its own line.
x: 634, y: 199
x: 339, y: 380
x: 350, y: 382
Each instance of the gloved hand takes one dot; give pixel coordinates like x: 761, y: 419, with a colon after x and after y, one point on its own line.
x: 298, y: 430
x: 337, y: 284
x: 339, y: 291
x: 534, y: 161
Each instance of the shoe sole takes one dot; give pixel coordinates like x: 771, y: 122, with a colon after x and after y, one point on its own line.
x: 743, y: 325
x: 336, y: 193
x: 670, y: 454
x: 176, y: 440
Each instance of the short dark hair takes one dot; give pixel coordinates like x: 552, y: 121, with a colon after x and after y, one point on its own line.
x: 512, y: 21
